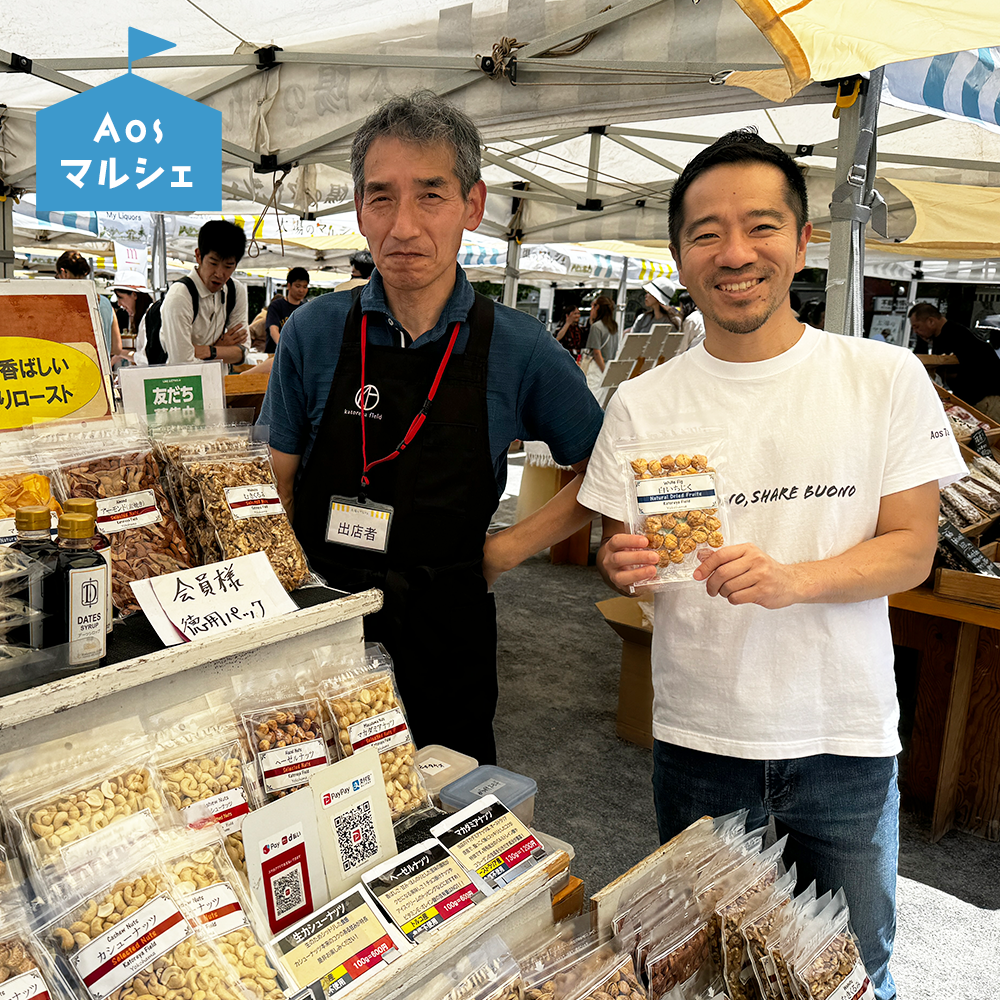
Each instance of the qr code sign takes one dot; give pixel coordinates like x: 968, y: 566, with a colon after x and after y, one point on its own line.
x: 356, y: 836
x: 288, y: 891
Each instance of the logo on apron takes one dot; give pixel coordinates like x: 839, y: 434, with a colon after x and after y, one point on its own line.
x: 369, y: 394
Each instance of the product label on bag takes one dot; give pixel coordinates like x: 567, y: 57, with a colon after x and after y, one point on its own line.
x: 422, y: 888
x: 218, y: 909
x: 676, y: 493
x: 855, y: 986
x: 383, y: 732
x: 29, y: 986
x: 117, y: 956
x: 227, y: 809
x: 284, y: 767
x: 338, y: 944
x: 488, y: 840
x: 87, y: 610
x: 130, y: 510
x: 253, y: 501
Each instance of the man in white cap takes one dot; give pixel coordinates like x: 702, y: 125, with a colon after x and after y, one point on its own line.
x: 657, y: 306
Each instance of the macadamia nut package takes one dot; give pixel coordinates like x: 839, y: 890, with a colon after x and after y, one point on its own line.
x: 674, y: 496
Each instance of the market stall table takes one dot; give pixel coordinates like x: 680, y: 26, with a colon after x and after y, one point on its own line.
x: 954, y: 762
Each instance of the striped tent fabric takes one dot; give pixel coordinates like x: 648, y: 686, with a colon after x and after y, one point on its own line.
x: 960, y: 85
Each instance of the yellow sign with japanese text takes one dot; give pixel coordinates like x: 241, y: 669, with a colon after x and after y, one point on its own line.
x: 46, y: 380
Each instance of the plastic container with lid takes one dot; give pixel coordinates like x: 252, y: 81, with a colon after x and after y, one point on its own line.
x: 440, y: 766
x: 515, y: 791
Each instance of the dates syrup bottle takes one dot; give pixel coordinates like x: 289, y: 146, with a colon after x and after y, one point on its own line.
x: 82, y: 582
x: 100, y: 543
x: 34, y: 539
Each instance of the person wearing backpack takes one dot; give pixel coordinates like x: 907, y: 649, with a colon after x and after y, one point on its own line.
x: 203, y: 317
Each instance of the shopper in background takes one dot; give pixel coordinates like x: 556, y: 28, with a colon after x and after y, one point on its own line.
x: 133, y: 298
x: 362, y: 266
x: 603, y: 330
x: 356, y: 375
x: 692, y: 325
x: 570, y: 334
x: 203, y: 317
x: 657, y: 306
x: 773, y: 681
x: 282, y: 306
x: 977, y: 381
x: 73, y: 265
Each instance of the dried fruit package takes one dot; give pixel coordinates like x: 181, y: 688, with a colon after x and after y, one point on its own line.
x: 241, y: 502
x: 201, y: 757
x: 123, y: 476
x: 207, y: 884
x: 674, y: 496
x: 367, y: 711
x: 131, y: 935
x: 65, y: 791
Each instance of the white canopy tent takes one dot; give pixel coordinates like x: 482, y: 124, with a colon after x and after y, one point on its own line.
x: 587, y: 115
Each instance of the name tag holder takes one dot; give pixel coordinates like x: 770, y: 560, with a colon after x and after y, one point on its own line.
x: 359, y: 524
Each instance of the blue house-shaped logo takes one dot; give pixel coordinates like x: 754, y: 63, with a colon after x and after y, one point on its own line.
x: 129, y: 145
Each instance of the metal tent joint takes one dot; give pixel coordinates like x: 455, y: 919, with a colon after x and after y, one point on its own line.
x: 502, y: 64
x: 267, y: 56
x: 19, y: 64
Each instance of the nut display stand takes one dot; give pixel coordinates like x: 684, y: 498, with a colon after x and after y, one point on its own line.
x: 160, y: 676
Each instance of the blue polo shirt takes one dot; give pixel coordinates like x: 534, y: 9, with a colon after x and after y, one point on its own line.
x: 535, y: 390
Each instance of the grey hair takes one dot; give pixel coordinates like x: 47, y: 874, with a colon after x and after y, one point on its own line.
x: 425, y: 119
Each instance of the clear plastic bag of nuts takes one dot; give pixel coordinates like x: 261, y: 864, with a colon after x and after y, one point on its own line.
x: 201, y: 755
x: 26, y: 968
x: 64, y: 792
x: 133, y: 510
x: 367, y: 712
x: 204, y: 879
x: 217, y: 434
x: 286, y: 739
x: 487, y: 972
x: 240, y: 498
x: 597, y: 977
x: 130, y: 936
x: 761, y: 917
x: 674, y: 495
x: 826, y: 960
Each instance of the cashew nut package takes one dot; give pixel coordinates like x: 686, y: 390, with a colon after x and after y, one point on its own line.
x: 123, y: 476
x: 65, y: 791
x: 241, y: 502
x: 207, y: 884
x: 287, y: 743
x: 200, y: 761
x: 27, y: 971
x: 674, y: 496
x: 367, y: 712
x: 128, y: 937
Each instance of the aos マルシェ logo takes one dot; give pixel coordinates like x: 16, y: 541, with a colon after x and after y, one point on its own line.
x: 129, y: 145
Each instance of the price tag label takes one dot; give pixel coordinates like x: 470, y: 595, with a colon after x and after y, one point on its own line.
x: 965, y: 550
x: 981, y: 443
x: 206, y: 601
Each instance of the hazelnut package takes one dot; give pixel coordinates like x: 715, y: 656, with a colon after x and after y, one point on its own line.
x: 674, y: 496
x: 366, y: 709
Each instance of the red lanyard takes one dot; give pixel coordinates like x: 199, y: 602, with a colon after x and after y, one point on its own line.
x: 418, y: 420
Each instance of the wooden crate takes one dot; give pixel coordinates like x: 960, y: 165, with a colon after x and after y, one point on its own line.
x: 949, y: 398
x: 970, y: 587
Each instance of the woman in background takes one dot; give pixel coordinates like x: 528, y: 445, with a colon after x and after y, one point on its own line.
x: 602, y: 329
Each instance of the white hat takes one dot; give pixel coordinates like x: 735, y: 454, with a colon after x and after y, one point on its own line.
x: 131, y: 281
x: 662, y: 289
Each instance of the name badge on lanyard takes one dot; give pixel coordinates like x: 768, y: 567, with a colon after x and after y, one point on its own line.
x: 360, y: 524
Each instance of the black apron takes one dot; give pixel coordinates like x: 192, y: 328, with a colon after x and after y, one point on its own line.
x: 438, y: 621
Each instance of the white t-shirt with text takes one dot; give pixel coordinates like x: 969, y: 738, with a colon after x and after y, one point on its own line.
x: 814, y: 438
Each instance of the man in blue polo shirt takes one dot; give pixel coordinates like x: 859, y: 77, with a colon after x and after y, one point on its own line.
x: 401, y: 498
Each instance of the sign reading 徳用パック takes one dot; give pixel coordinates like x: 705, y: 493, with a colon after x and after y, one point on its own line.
x: 129, y: 145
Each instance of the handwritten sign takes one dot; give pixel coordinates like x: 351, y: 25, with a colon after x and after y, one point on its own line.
x: 207, y: 601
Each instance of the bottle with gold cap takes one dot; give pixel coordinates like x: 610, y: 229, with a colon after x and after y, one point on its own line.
x: 82, y: 578
x: 33, y: 525
x: 100, y: 543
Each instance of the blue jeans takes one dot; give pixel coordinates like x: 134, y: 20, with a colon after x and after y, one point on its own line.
x: 841, y: 815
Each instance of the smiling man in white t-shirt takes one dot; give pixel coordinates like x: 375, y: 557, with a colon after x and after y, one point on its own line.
x: 773, y: 673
